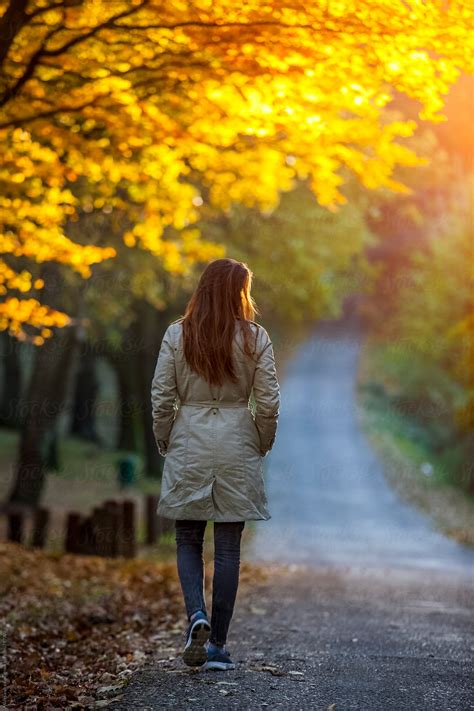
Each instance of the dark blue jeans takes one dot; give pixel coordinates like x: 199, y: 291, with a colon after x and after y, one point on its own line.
x: 189, y: 547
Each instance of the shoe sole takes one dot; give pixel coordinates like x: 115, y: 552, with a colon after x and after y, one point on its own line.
x: 219, y: 666
x: 195, y: 653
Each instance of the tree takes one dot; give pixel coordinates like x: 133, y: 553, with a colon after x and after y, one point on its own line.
x: 136, y: 105
x: 419, y: 313
x: 429, y: 352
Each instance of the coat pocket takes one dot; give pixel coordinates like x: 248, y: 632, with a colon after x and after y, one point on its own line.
x: 251, y: 432
x: 256, y: 491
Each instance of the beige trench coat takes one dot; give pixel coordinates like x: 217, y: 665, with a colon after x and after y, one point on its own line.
x: 212, y: 442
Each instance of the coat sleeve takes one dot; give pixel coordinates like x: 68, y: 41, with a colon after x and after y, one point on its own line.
x: 163, y: 393
x: 266, y: 391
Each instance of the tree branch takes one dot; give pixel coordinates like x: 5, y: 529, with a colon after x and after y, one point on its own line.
x: 104, y: 25
x: 12, y: 91
x: 11, y: 23
x: 216, y: 25
x: 42, y: 51
x: 46, y: 114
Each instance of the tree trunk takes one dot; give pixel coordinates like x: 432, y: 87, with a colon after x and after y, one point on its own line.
x: 121, y: 360
x: 10, y: 25
x: 129, y: 425
x: 44, y: 402
x: 12, y: 382
x: 149, y: 326
x: 85, y: 397
x: 45, y: 398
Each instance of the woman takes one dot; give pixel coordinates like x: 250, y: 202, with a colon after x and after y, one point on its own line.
x: 211, y: 361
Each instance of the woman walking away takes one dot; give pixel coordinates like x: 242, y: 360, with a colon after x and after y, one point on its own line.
x: 211, y: 362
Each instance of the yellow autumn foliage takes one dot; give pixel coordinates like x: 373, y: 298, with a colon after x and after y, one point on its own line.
x: 164, y: 110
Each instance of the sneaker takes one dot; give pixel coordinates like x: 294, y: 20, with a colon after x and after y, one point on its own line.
x: 218, y: 658
x: 197, y: 634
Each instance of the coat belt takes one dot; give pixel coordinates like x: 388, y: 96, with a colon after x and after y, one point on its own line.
x: 214, y: 403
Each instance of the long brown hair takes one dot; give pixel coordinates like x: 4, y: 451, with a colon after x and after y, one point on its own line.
x: 221, y: 296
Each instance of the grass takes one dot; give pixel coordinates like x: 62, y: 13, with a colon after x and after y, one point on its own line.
x: 85, y: 469
x: 417, y: 474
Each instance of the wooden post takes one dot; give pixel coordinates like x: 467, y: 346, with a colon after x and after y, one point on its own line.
x: 128, y: 531
x: 15, y: 526
x: 102, y: 531
x: 110, y: 530
x: 151, y: 519
x: 72, y: 532
x: 119, y: 542
x: 40, y: 528
x: 113, y: 526
x: 87, y: 544
x: 99, y: 525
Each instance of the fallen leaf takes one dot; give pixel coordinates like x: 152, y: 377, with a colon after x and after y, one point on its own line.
x: 273, y: 670
x: 227, y: 683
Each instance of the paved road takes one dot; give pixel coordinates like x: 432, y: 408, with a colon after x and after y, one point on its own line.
x: 330, y: 639
x: 375, y: 611
x: 329, y: 500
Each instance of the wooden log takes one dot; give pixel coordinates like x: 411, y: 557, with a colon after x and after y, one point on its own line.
x: 151, y: 503
x: 15, y: 526
x: 113, y: 528
x: 119, y: 536
x: 40, y: 528
x: 104, y: 530
x: 73, y: 524
x: 87, y: 541
x: 99, y: 525
x: 128, y: 530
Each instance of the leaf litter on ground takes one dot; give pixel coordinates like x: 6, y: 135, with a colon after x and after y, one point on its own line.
x: 76, y: 628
